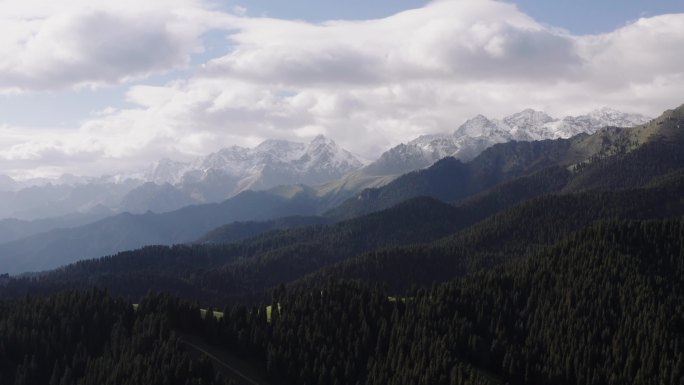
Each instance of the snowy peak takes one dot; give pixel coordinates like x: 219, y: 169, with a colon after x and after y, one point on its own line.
x: 226, y: 156
x: 325, y: 161
x: 320, y: 146
x: 403, y: 158
x: 434, y: 145
x: 591, y: 122
x: 324, y: 155
x: 609, y: 117
x: 166, y: 171
x: 528, y: 125
x: 480, y: 132
x: 321, y: 140
x: 477, y: 126
x: 282, y: 149
x: 271, y: 163
x: 527, y: 118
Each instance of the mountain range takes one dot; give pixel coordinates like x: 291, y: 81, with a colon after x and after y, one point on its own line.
x: 480, y: 133
x: 510, y: 198
x: 272, y: 163
x: 169, y: 185
x: 507, y: 200
x: 449, y: 179
x: 332, y: 171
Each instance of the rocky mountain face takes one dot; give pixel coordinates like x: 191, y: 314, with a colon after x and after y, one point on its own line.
x: 229, y: 171
x: 480, y: 133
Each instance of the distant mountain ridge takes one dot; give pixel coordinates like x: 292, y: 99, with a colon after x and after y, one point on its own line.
x: 526, y: 209
x: 452, y: 179
x: 334, y: 172
x: 229, y: 171
x: 480, y: 133
x: 271, y: 163
x: 169, y: 185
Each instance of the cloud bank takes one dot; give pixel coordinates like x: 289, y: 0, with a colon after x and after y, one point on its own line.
x: 367, y: 84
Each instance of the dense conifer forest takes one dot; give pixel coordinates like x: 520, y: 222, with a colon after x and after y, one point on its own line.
x: 89, y: 337
x: 601, y: 306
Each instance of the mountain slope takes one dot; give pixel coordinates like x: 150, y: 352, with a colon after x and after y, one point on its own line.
x: 223, y: 174
x: 130, y: 231
x: 480, y: 133
x: 499, y: 238
x: 14, y: 229
x: 56, y: 200
x: 127, y: 231
x: 247, y: 268
x: 170, y: 185
x: 597, y: 158
x: 595, y: 307
x: 238, y: 231
x: 91, y: 338
x: 600, y: 296
x: 450, y: 179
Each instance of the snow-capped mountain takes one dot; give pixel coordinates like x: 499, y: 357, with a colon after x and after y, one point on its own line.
x: 323, y: 160
x: 170, y: 184
x: 596, y: 119
x: 166, y: 171
x: 480, y: 132
x: 528, y: 124
x: 273, y: 162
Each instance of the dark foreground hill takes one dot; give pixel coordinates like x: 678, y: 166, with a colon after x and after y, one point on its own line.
x: 91, y: 338
x: 508, y: 234
x: 600, y: 306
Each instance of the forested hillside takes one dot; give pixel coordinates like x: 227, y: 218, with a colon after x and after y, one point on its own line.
x: 220, y: 273
x: 447, y: 243
x: 89, y: 337
x: 601, y: 306
x: 597, y: 307
x: 504, y: 236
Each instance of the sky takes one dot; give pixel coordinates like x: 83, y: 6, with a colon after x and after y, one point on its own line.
x: 93, y: 87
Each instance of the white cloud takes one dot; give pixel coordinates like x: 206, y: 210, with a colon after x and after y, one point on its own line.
x: 455, y: 40
x: 48, y: 45
x: 368, y: 84
x: 639, y: 53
